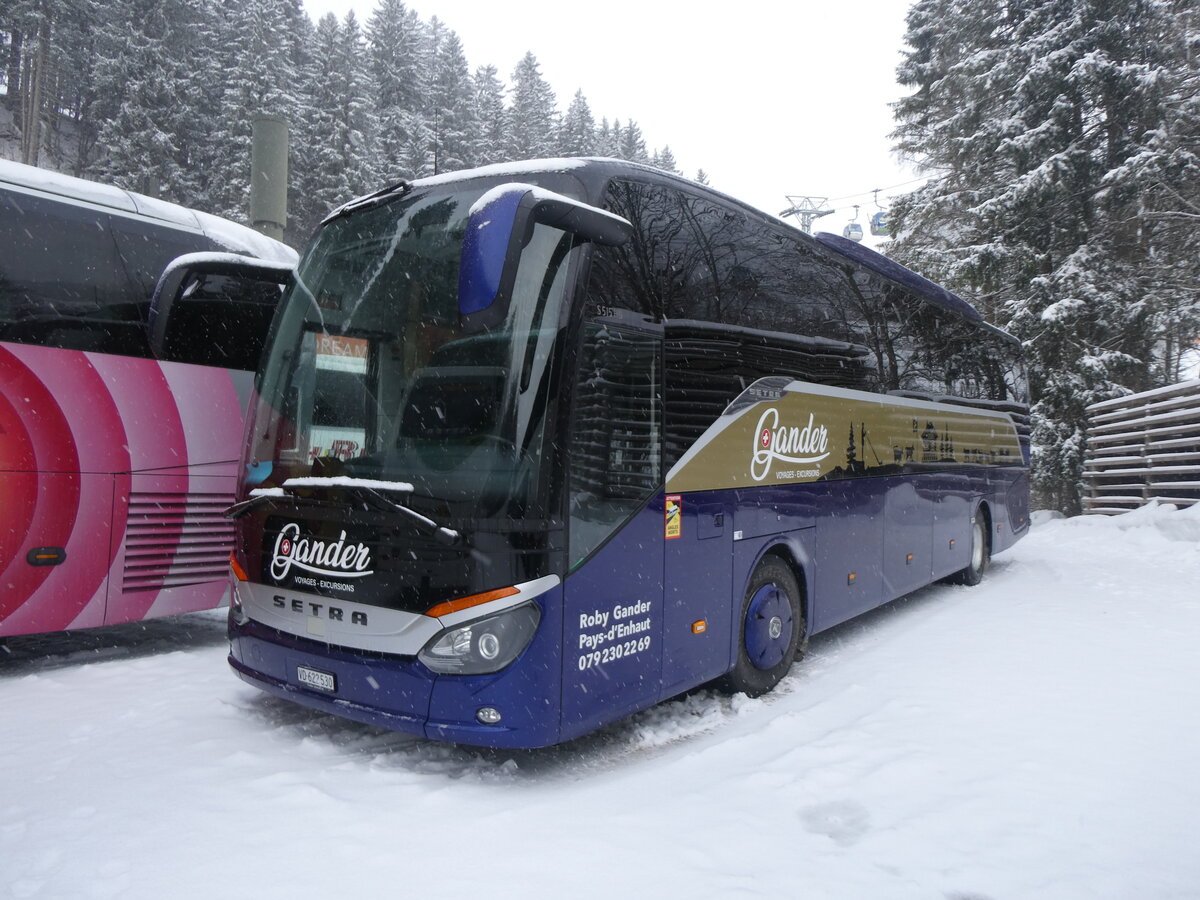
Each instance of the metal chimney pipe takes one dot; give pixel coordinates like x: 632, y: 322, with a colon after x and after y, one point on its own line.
x: 269, y: 175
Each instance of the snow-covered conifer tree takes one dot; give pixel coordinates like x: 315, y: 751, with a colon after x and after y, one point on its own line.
x: 606, y: 138
x: 453, y: 125
x: 631, y: 145
x: 533, y: 118
x: 578, y: 135
x: 335, y: 146
x: 1049, y: 127
x: 416, y: 154
x: 150, y: 138
x: 665, y: 160
x: 396, y: 36
x: 491, y: 117
x: 49, y: 54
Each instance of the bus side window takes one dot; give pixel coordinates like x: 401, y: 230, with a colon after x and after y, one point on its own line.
x: 62, y: 281
x: 739, y: 302
x: 146, y: 248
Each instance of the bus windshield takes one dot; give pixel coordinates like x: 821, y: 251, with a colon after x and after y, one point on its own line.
x: 375, y: 375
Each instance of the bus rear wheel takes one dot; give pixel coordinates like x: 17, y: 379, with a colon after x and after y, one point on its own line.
x: 981, y: 551
x: 773, y: 631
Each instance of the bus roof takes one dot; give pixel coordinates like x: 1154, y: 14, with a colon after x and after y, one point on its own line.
x: 236, y: 237
x: 72, y: 188
x: 596, y: 170
x: 891, y: 269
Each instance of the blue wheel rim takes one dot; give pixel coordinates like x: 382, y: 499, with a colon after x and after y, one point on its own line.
x: 768, y: 612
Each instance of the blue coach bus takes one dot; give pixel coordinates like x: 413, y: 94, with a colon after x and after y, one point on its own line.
x: 539, y: 446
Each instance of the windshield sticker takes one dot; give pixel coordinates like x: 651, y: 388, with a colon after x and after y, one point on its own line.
x: 336, y: 443
x: 338, y: 353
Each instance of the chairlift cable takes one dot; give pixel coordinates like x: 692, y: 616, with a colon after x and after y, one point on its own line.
x: 878, y: 190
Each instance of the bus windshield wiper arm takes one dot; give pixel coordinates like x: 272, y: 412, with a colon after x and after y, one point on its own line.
x: 269, y: 495
x: 441, y: 533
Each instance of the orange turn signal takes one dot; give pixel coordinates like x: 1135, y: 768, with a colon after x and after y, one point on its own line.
x: 453, y: 606
x: 700, y: 627
x: 237, y: 569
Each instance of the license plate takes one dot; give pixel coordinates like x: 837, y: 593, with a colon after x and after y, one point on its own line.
x: 315, y: 678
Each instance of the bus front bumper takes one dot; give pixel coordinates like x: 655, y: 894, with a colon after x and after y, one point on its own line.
x: 399, y: 694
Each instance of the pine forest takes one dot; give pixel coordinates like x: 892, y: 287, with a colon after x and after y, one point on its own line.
x: 157, y: 96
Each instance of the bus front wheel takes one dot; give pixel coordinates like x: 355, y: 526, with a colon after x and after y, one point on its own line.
x: 773, y: 630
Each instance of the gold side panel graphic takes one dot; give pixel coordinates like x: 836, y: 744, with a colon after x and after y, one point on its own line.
x: 789, y: 433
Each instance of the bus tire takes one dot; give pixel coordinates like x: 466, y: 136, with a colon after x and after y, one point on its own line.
x: 772, y: 630
x: 981, y: 551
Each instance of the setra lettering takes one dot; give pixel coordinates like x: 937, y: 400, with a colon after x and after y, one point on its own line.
x: 318, y: 610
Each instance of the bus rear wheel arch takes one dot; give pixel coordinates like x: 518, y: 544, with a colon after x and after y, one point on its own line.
x: 772, y: 630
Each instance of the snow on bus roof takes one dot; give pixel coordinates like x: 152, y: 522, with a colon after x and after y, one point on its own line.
x: 229, y: 234
x: 92, y: 192
x: 240, y: 238
x: 404, y: 487
x: 496, y: 170
x: 504, y: 170
x: 888, y: 268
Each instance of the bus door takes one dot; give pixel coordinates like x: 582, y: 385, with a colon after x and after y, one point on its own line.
x: 613, y: 595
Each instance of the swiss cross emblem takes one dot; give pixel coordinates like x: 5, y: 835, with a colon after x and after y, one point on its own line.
x: 285, y: 548
x: 765, y: 437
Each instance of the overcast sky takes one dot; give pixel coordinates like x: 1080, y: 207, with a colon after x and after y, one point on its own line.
x: 769, y: 98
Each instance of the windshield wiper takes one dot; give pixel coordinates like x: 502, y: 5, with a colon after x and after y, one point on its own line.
x: 441, y: 533
x: 270, y: 495
x: 378, y: 198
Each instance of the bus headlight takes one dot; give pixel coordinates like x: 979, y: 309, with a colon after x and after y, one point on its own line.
x: 483, y: 646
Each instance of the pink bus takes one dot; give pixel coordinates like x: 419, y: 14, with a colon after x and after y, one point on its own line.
x: 116, y: 461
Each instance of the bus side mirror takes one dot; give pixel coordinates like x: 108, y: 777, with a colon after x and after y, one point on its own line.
x: 215, y: 309
x: 499, y: 226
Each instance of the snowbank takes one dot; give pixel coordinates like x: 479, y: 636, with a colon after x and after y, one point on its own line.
x: 1033, y: 737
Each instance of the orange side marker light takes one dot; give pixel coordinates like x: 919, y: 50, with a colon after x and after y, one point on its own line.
x: 46, y: 556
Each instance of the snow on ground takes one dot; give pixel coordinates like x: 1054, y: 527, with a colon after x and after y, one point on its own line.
x: 1033, y: 737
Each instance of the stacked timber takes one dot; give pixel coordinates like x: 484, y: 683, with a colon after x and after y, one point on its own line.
x: 1144, y: 447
